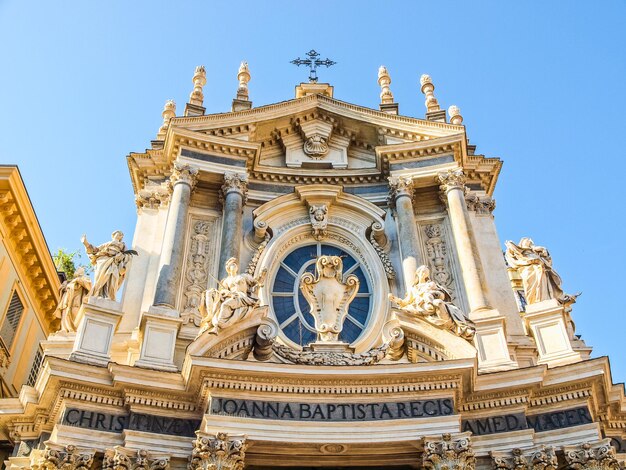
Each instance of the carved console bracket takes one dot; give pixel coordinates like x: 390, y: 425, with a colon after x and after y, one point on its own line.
x: 378, y: 239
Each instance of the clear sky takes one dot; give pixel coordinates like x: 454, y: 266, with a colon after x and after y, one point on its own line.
x: 540, y: 85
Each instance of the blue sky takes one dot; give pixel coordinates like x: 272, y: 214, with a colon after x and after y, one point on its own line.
x: 540, y: 85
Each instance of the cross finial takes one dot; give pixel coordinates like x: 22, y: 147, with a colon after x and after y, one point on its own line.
x: 313, y: 62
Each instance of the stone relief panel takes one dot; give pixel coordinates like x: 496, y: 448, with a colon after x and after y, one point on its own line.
x: 200, y: 259
x: 438, y: 254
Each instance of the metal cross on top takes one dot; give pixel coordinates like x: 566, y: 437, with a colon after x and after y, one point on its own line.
x: 313, y: 62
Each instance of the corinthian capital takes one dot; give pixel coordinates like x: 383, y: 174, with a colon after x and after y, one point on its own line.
x: 598, y: 455
x: 184, y: 173
x: 218, y: 451
x: 235, y: 183
x: 400, y: 186
x: 534, y: 458
x: 447, y: 451
x: 59, y: 457
x: 122, y: 458
x: 451, y: 179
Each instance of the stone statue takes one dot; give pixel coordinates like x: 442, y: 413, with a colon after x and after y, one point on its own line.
x: 534, y: 265
x: 233, y: 299
x: 73, y: 294
x: 329, y: 296
x: 111, y: 260
x: 319, y: 220
x: 428, y: 300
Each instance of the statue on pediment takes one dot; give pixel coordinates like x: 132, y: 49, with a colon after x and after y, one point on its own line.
x: 111, y: 261
x: 534, y: 265
x: 329, y: 296
x: 73, y: 294
x: 433, y: 303
x: 233, y: 299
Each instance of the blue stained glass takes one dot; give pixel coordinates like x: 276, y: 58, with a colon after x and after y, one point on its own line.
x: 284, y: 281
x: 301, y: 329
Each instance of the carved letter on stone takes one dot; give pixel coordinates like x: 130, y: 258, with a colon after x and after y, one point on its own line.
x: 220, y: 451
x: 449, y: 453
x: 329, y: 296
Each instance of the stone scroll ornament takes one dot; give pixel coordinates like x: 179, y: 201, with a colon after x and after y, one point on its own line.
x: 448, y: 453
x: 73, y: 293
x: 534, y: 265
x: 329, y: 296
x: 126, y: 459
x: 57, y: 457
x: 218, y: 452
x: 433, y: 303
x: 235, y: 298
x: 111, y: 261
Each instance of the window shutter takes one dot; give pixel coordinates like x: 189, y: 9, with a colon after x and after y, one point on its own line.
x: 34, y: 370
x: 11, y: 320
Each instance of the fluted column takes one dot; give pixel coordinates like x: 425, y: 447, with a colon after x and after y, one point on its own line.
x: 234, y: 194
x: 401, y: 198
x: 453, y: 185
x: 182, y: 181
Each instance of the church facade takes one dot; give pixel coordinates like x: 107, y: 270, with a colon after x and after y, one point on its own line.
x: 314, y: 283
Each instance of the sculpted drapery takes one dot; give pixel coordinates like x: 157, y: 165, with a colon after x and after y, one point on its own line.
x: 232, y: 300
x: 428, y: 300
x: 73, y: 293
x: 111, y: 260
x: 534, y: 265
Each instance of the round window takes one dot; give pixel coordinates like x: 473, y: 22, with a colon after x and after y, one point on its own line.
x: 292, y: 309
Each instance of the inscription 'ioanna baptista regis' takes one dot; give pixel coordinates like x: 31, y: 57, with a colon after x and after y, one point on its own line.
x: 332, y: 411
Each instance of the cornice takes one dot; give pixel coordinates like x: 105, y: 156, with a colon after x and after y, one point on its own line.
x: 28, y: 249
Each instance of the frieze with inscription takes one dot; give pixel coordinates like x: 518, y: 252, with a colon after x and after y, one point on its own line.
x: 539, y: 422
x: 332, y: 411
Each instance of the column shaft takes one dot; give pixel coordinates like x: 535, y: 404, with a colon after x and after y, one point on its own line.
x: 402, y: 198
x: 453, y: 185
x: 234, y: 192
x: 172, y: 251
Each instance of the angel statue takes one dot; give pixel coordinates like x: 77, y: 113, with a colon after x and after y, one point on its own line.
x: 428, y: 300
x: 73, y: 293
x: 111, y: 260
x: 329, y: 296
x: 233, y: 299
x: 534, y: 265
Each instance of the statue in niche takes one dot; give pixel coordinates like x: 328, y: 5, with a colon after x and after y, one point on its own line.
x: 73, y: 293
x: 319, y: 220
x: 433, y: 303
x: 111, y: 261
x: 534, y: 265
x: 233, y: 299
x: 329, y: 296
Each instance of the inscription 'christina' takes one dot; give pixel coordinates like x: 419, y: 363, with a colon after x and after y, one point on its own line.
x: 332, y: 411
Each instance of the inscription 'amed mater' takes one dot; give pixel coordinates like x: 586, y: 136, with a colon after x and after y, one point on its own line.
x: 332, y: 411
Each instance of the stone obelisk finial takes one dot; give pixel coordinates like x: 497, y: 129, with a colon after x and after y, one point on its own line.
x: 433, y: 111
x: 387, y: 104
x: 196, y: 99
x: 169, y: 111
x: 242, y: 101
x: 455, y: 115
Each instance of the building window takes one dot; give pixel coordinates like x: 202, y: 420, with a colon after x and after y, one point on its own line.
x: 11, y: 320
x: 34, y: 370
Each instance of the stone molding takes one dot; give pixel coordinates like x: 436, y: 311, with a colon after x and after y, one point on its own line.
x: 218, y: 451
x: 597, y: 455
x: 448, y: 452
x: 184, y: 173
x: 451, y: 179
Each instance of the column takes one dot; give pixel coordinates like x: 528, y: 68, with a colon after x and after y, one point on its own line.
x: 182, y: 181
x: 401, y: 196
x: 453, y: 185
x: 234, y: 194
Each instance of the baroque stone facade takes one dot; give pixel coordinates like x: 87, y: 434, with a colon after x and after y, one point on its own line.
x: 313, y: 283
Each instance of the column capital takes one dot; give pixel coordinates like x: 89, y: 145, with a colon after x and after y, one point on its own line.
x: 451, y: 179
x: 400, y: 186
x: 598, y: 455
x: 448, y: 451
x: 482, y: 205
x: 56, y: 456
x: 543, y: 457
x: 121, y: 457
x: 235, y: 183
x: 218, y: 451
x: 184, y: 173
